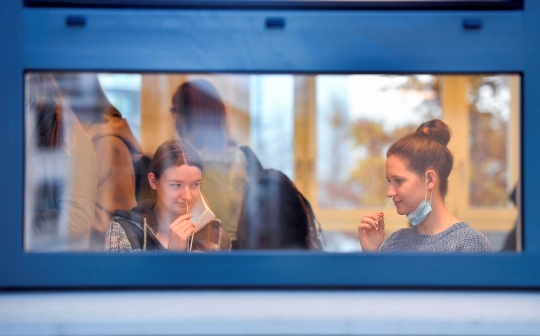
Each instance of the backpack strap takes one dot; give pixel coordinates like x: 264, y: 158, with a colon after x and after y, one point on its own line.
x: 254, y: 167
x: 254, y: 170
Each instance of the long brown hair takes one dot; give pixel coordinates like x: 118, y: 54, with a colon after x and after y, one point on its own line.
x: 201, y: 115
x: 172, y: 153
x: 426, y: 149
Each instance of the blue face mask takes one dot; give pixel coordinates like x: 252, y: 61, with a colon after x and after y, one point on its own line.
x: 422, y: 210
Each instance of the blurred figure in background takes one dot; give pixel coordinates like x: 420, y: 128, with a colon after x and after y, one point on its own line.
x: 200, y: 118
x: 61, y: 172
x: 510, y: 243
x: 115, y: 146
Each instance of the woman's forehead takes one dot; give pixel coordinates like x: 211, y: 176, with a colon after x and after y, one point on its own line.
x: 396, y: 165
x: 397, y: 162
x: 183, y: 173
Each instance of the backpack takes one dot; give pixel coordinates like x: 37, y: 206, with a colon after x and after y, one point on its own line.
x: 274, y: 214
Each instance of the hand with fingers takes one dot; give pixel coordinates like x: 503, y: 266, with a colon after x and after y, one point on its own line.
x: 371, y: 231
x: 179, y: 232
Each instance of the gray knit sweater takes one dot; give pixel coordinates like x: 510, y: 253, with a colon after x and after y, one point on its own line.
x: 460, y: 237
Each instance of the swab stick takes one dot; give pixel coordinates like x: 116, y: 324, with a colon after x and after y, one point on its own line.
x: 390, y: 201
x: 387, y: 205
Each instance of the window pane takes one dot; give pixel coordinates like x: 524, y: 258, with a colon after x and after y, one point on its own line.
x: 124, y: 92
x: 359, y: 117
x: 93, y: 164
x: 490, y: 123
x: 272, y: 120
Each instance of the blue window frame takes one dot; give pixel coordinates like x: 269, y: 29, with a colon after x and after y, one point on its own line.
x: 138, y: 40
x: 287, y: 4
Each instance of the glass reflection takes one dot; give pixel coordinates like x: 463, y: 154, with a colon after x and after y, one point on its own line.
x: 91, y: 139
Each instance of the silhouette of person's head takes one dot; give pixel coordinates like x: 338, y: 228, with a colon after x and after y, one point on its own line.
x: 200, y: 116
x: 86, y: 97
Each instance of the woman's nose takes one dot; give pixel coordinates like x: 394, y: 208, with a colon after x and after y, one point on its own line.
x: 391, y: 191
x: 186, y: 194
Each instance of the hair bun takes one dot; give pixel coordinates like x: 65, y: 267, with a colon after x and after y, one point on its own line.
x: 436, y: 129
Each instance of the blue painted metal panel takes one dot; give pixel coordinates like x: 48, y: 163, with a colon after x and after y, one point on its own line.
x: 237, y: 41
x: 284, y: 4
x: 11, y: 133
x: 313, y: 41
x: 530, y: 124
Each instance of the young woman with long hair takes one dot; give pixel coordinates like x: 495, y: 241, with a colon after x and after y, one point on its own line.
x: 164, y: 222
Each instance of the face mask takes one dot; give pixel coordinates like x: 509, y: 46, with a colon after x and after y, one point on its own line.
x: 422, y: 210
x: 202, y: 215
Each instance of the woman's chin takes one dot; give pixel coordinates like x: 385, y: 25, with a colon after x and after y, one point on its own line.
x: 401, y: 211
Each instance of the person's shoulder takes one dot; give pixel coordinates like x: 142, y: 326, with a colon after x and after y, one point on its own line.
x: 125, y: 223
x: 400, y: 233
x: 131, y: 218
x: 116, y: 239
x: 395, y: 239
x: 124, y: 215
x: 473, y: 240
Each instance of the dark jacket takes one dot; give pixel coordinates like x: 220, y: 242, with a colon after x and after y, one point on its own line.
x: 135, y: 230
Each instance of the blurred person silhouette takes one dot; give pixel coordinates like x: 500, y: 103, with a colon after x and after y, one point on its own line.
x: 200, y: 118
x: 510, y: 243
x: 117, y: 150
x: 164, y: 220
x: 274, y: 213
x: 417, y: 170
x: 61, y: 174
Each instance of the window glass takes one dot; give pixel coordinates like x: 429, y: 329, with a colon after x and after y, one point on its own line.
x: 489, y: 135
x: 359, y: 117
x: 124, y: 92
x: 272, y: 120
x: 92, y: 158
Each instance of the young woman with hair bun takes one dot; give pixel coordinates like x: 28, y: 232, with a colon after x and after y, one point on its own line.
x: 417, y: 170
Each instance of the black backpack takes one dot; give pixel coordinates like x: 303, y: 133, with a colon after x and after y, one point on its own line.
x: 274, y: 214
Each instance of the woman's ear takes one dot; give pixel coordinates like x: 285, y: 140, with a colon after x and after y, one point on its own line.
x: 431, y: 179
x: 152, y: 180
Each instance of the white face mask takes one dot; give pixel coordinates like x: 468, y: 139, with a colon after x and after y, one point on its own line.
x: 422, y: 210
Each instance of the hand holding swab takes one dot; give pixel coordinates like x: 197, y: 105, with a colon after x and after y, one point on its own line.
x: 387, y: 205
